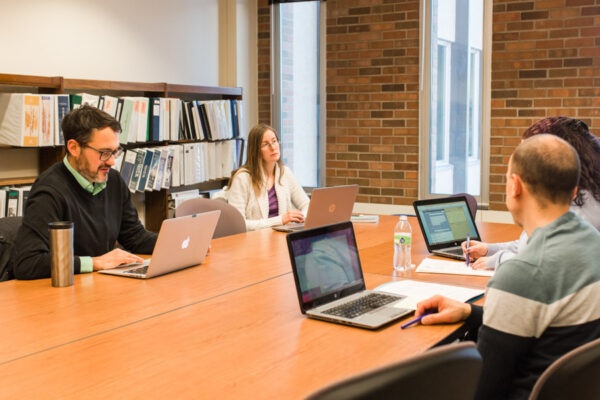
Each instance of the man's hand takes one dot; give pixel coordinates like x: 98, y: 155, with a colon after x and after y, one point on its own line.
x: 477, y: 249
x: 448, y: 311
x: 292, y: 216
x: 114, y: 258
x: 481, y: 263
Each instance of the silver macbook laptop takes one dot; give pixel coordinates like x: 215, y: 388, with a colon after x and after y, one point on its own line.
x: 329, y: 279
x: 328, y: 205
x: 445, y: 224
x: 182, y: 242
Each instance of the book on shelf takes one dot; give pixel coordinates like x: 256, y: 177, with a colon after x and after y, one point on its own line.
x: 176, y: 167
x: 12, y: 203
x: 174, y: 125
x: 3, y: 202
x: 125, y: 120
x: 110, y: 105
x: 168, y: 169
x: 20, y: 119
x: 153, y: 169
x: 155, y: 119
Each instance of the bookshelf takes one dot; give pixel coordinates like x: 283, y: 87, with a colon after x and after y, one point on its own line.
x: 156, y: 202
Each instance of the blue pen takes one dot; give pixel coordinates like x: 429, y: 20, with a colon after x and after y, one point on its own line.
x: 414, y: 321
x: 467, y: 252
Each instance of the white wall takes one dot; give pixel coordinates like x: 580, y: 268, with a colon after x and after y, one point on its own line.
x: 171, y: 41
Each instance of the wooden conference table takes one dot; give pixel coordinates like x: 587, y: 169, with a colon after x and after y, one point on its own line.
x: 230, y: 327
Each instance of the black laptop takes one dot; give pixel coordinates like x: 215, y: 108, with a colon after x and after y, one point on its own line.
x: 445, y: 223
x: 329, y: 279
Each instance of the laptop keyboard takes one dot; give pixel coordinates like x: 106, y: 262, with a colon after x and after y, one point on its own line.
x: 139, y: 270
x: 361, y: 306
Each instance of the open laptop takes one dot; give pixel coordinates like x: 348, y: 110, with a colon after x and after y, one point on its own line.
x: 329, y: 279
x: 182, y: 242
x: 328, y: 205
x: 445, y: 224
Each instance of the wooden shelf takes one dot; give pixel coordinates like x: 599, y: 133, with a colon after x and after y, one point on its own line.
x: 156, y: 201
x: 17, y: 181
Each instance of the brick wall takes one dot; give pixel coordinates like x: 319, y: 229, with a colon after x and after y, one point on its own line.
x: 372, y: 98
x: 545, y: 61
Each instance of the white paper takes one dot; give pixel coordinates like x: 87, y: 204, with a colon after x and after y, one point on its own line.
x: 416, y: 291
x: 435, y: 266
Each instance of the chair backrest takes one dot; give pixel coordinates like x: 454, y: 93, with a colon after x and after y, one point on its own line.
x: 446, y: 372
x: 576, y: 375
x: 471, y: 201
x: 9, y: 226
x: 230, y: 222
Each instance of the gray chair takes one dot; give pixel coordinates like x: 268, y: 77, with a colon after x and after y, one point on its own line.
x: 576, y: 375
x: 230, y: 221
x: 446, y: 372
x: 9, y: 226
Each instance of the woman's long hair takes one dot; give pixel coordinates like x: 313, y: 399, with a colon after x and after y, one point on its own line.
x: 254, y: 160
x: 577, y: 134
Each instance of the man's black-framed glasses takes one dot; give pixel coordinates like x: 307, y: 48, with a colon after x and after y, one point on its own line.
x: 105, y: 154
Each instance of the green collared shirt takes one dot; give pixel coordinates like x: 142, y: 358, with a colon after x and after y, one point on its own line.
x: 87, y: 265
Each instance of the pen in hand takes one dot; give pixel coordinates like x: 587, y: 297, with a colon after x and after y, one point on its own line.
x: 467, y: 257
x: 414, y: 321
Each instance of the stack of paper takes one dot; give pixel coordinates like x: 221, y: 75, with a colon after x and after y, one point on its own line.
x: 435, y: 266
x: 416, y: 292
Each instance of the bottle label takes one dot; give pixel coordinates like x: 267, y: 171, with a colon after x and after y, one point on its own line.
x: 402, y: 239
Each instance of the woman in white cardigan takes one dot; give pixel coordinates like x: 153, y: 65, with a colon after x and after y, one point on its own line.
x: 265, y: 191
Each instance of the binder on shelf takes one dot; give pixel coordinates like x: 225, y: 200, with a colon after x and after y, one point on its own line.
x: 125, y: 120
x: 12, y: 203
x: 234, y: 118
x: 128, y: 166
x: 61, y: 108
x: 110, y: 105
x: 46, y: 120
x: 153, y: 169
x: 145, y: 169
x: 162, y: 165
x: 90, y: 99
x: 175, y: 168
x: 174, y: 113
x: 23, y: 194
x: 3, y: 202
x: 142, y: 124
x: 75, y: 101
x: 189, y: 164
x: 137, y: 171
x: 19, y: 119
x: 167, y: 178
x: 155, y: 121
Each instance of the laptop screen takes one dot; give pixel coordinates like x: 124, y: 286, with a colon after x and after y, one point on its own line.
x: 325, y: 262
x: 446, y: 222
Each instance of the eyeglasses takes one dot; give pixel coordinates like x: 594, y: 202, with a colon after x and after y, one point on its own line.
x: 105, y: 154
x: 272, y: 143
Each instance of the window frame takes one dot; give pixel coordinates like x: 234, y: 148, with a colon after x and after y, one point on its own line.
x: 276, y: 78
x: 425, y: 98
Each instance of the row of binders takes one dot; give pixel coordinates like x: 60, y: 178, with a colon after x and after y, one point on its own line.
x: 162, y: 167
x: 12, y: 200
x: 32, y: 120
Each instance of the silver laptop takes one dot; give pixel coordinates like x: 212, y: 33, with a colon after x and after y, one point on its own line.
x: 329, y: 279
x: 445, y: 224
x: 182, y: 242
x: 328, y: 205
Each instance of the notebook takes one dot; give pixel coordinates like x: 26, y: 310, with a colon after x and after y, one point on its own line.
x: 182, y: 242
x: 329, y: 279
x: 327, y: 206
x: 445, y: 224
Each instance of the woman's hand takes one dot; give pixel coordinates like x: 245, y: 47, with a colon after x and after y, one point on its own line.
x: 292, y: 216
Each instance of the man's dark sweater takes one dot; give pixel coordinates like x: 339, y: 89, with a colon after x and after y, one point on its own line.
x: 99, y: 221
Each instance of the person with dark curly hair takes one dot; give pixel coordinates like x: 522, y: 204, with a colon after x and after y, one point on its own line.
x: 586, y: 202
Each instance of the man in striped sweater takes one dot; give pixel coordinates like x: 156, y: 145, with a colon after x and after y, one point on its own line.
x: 544, y: 302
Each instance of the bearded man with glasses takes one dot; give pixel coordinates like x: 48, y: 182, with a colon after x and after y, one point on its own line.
x: 84, y: 189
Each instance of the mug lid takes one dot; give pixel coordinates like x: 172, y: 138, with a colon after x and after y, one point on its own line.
x: 60, y: 225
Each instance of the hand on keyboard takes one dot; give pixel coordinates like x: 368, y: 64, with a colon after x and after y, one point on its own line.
x: 115, y: 258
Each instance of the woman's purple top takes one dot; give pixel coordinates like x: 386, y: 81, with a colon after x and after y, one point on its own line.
x: 273, y: 205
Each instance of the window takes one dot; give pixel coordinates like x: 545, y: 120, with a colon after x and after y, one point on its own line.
x: 297, y: 113
x: 454, y: 142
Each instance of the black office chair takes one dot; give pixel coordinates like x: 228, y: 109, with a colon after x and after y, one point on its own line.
x: 230, y: 221
x: 576, y: 375
x: 471, y: 202
x: 9, y: 226
x: 447, y: 372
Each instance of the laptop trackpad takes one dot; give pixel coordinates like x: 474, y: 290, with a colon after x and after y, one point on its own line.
x: 391, y: 312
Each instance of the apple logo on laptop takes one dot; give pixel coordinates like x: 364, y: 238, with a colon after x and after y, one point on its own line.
x: 185, y: 243
x: 332, y: 208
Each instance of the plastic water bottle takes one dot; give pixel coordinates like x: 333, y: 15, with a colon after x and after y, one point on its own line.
x: 402, y: 242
